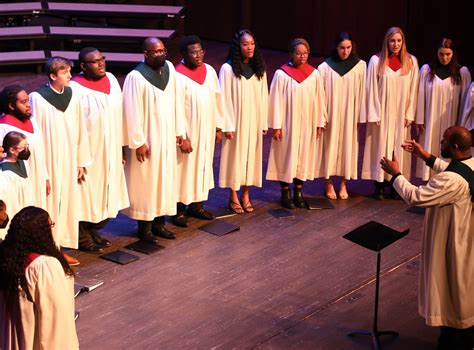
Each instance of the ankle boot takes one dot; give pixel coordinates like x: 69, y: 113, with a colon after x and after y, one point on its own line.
x: 180, y: 218
x: 159, y: 229
x: 379, y: 193
x: 145, y: 231
x: 286, y: 201
x: 298, y: 199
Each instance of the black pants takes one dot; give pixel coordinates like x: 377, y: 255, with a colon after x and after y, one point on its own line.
x: 456, y: 339
x: 86, y: 227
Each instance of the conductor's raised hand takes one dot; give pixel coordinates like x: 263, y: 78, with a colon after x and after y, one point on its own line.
x: 391, y: 167
x: 411, y: 146
x: 142, y: 153
x: 277, y: 135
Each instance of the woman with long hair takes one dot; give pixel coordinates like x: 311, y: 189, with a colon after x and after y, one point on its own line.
x: 17, y: 189
x: 297, y: 115
x: 392, y: 82
x: 36, y: 286
x: 443, y: 83
x: 343, y: 76
x: 243, y: 82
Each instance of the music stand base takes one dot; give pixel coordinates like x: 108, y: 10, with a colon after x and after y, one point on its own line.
x: 374, y: 335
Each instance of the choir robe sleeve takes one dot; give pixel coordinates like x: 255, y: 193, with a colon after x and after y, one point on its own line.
x: 180, y: 122
x: 277, y: 101
x: 465, y: 84
x: 372, y: 91
x: 53, y: 296
x: 133, y: 109
x: 412, y: 92
x: 319, y: 103
x: 84, y: 158
x: 226, y: 77
x: 420, y: 107
x: 264, y: 104
x: 361, y: 94
x: 467, y: 109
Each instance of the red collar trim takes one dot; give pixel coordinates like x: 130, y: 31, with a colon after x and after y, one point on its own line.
x: 197, y: 74
x: 9, y: 119
x: 298, y: 73
x: 101, y: 85
x: 30, y: 258
x: 394, y: 62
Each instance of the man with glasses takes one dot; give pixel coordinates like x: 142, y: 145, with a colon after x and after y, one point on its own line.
x: 200, y: 86
x: 104, y: 192
x: 154, y: 116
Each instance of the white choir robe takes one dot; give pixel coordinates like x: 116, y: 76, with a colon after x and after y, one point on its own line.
x: 298, y: 109
x: 445, y: 296
x: 203, y: 115
x: 42, y: 316
x: 38, y: 173
x: 466, y: 115
x: 66, y: 148
x: 154, y: 117
x: 17, y: 193
x: 437, y: 109
x: 104, y: 192
x: 391, y: 98
x: 244, y: 108
x: 345, y: 103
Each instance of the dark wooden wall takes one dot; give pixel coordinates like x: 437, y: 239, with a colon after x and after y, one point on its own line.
x: 275, y: 23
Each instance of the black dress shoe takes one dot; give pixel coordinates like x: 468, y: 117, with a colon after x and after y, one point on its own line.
x: 164, y: 233
x: 180, y: 220
x: 201, y: 213
x: 99, y: 239
x: 91, y: 247
x: 147, y: 237
x: 286, y: 201
x: 298, y: 199
x: 145, y: 231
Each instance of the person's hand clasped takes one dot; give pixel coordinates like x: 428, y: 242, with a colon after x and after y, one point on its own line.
x: 142, y: 153
x: 277, y: 134
x: 186, y: 146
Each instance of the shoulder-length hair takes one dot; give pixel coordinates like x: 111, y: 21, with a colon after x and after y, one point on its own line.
x: 405, y: 58
x: 235, y: 57
x: 453, y: 65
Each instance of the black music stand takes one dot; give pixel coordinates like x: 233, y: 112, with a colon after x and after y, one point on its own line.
x: 375, y: 236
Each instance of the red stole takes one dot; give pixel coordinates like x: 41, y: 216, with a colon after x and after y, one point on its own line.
x: 394, y: 62
x: 298, y: 73
x: 101, y: 85
x: 30, y: 258
x: 9, y: 119
x: 197, y: 74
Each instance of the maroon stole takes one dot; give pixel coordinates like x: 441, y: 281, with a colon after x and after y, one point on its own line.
x: 298, y: 73
x: 197, y: 74
x: 101, y: 85
x: 25, y: 125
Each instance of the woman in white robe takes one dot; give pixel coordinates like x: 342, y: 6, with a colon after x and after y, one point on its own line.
x: 343, y: 76
x: 36, y: 287
x: 243, y: 82
x: 17, y: 189
x: 466, y: 116
x: 297, y: 115
x: 443, y: 83
x: 392, y: 82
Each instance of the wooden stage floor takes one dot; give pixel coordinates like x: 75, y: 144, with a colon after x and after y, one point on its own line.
x: 290, y: 283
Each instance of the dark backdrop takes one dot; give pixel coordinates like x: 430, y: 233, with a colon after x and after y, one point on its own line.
x: 276, y: 22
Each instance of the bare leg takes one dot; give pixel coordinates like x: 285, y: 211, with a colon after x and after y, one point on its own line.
x: 343, y: 190
x: 234, y: 203
x: 246, y: 200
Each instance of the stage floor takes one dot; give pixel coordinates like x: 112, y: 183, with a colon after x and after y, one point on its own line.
x: 274, y: 284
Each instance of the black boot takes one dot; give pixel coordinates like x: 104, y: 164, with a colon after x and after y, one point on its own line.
x: 159, y: 229
x: 145, y: 231
x: 286, y: 201
x: 378, y: 193
x: 95, y: 235
x: 180, y: 218
x: 86, y: 241
x: 298, y: 199
x: 197, y: 210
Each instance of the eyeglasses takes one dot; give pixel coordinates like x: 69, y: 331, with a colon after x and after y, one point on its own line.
x: 159, y: 52
x: 301, y: 54
x: 97, y: 61
x: 197, y: 53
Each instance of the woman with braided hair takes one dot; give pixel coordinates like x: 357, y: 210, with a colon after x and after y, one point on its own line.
x: 36, y: 287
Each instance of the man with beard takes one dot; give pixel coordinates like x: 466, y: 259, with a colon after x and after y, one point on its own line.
x: 447, y: 272
x: 104, y: 192
x: 153, y: 111
x: 200, y: 86
x: 59, y: 114
x: 15, y: 105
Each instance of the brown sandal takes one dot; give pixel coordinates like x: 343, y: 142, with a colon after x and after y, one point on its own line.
x: 236, y: 207
x: 248, y: 208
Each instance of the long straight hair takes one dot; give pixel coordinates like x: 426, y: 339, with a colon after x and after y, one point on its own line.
x: 405, y: 57
x: 453, y: 65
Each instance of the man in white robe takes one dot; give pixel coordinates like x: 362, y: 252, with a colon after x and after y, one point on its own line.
x: 154, y: 116
x: 15, y: 105
x: 447, y: 271
x: 200, y: 87
x: 57, y: 110
x: 104, y: 192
